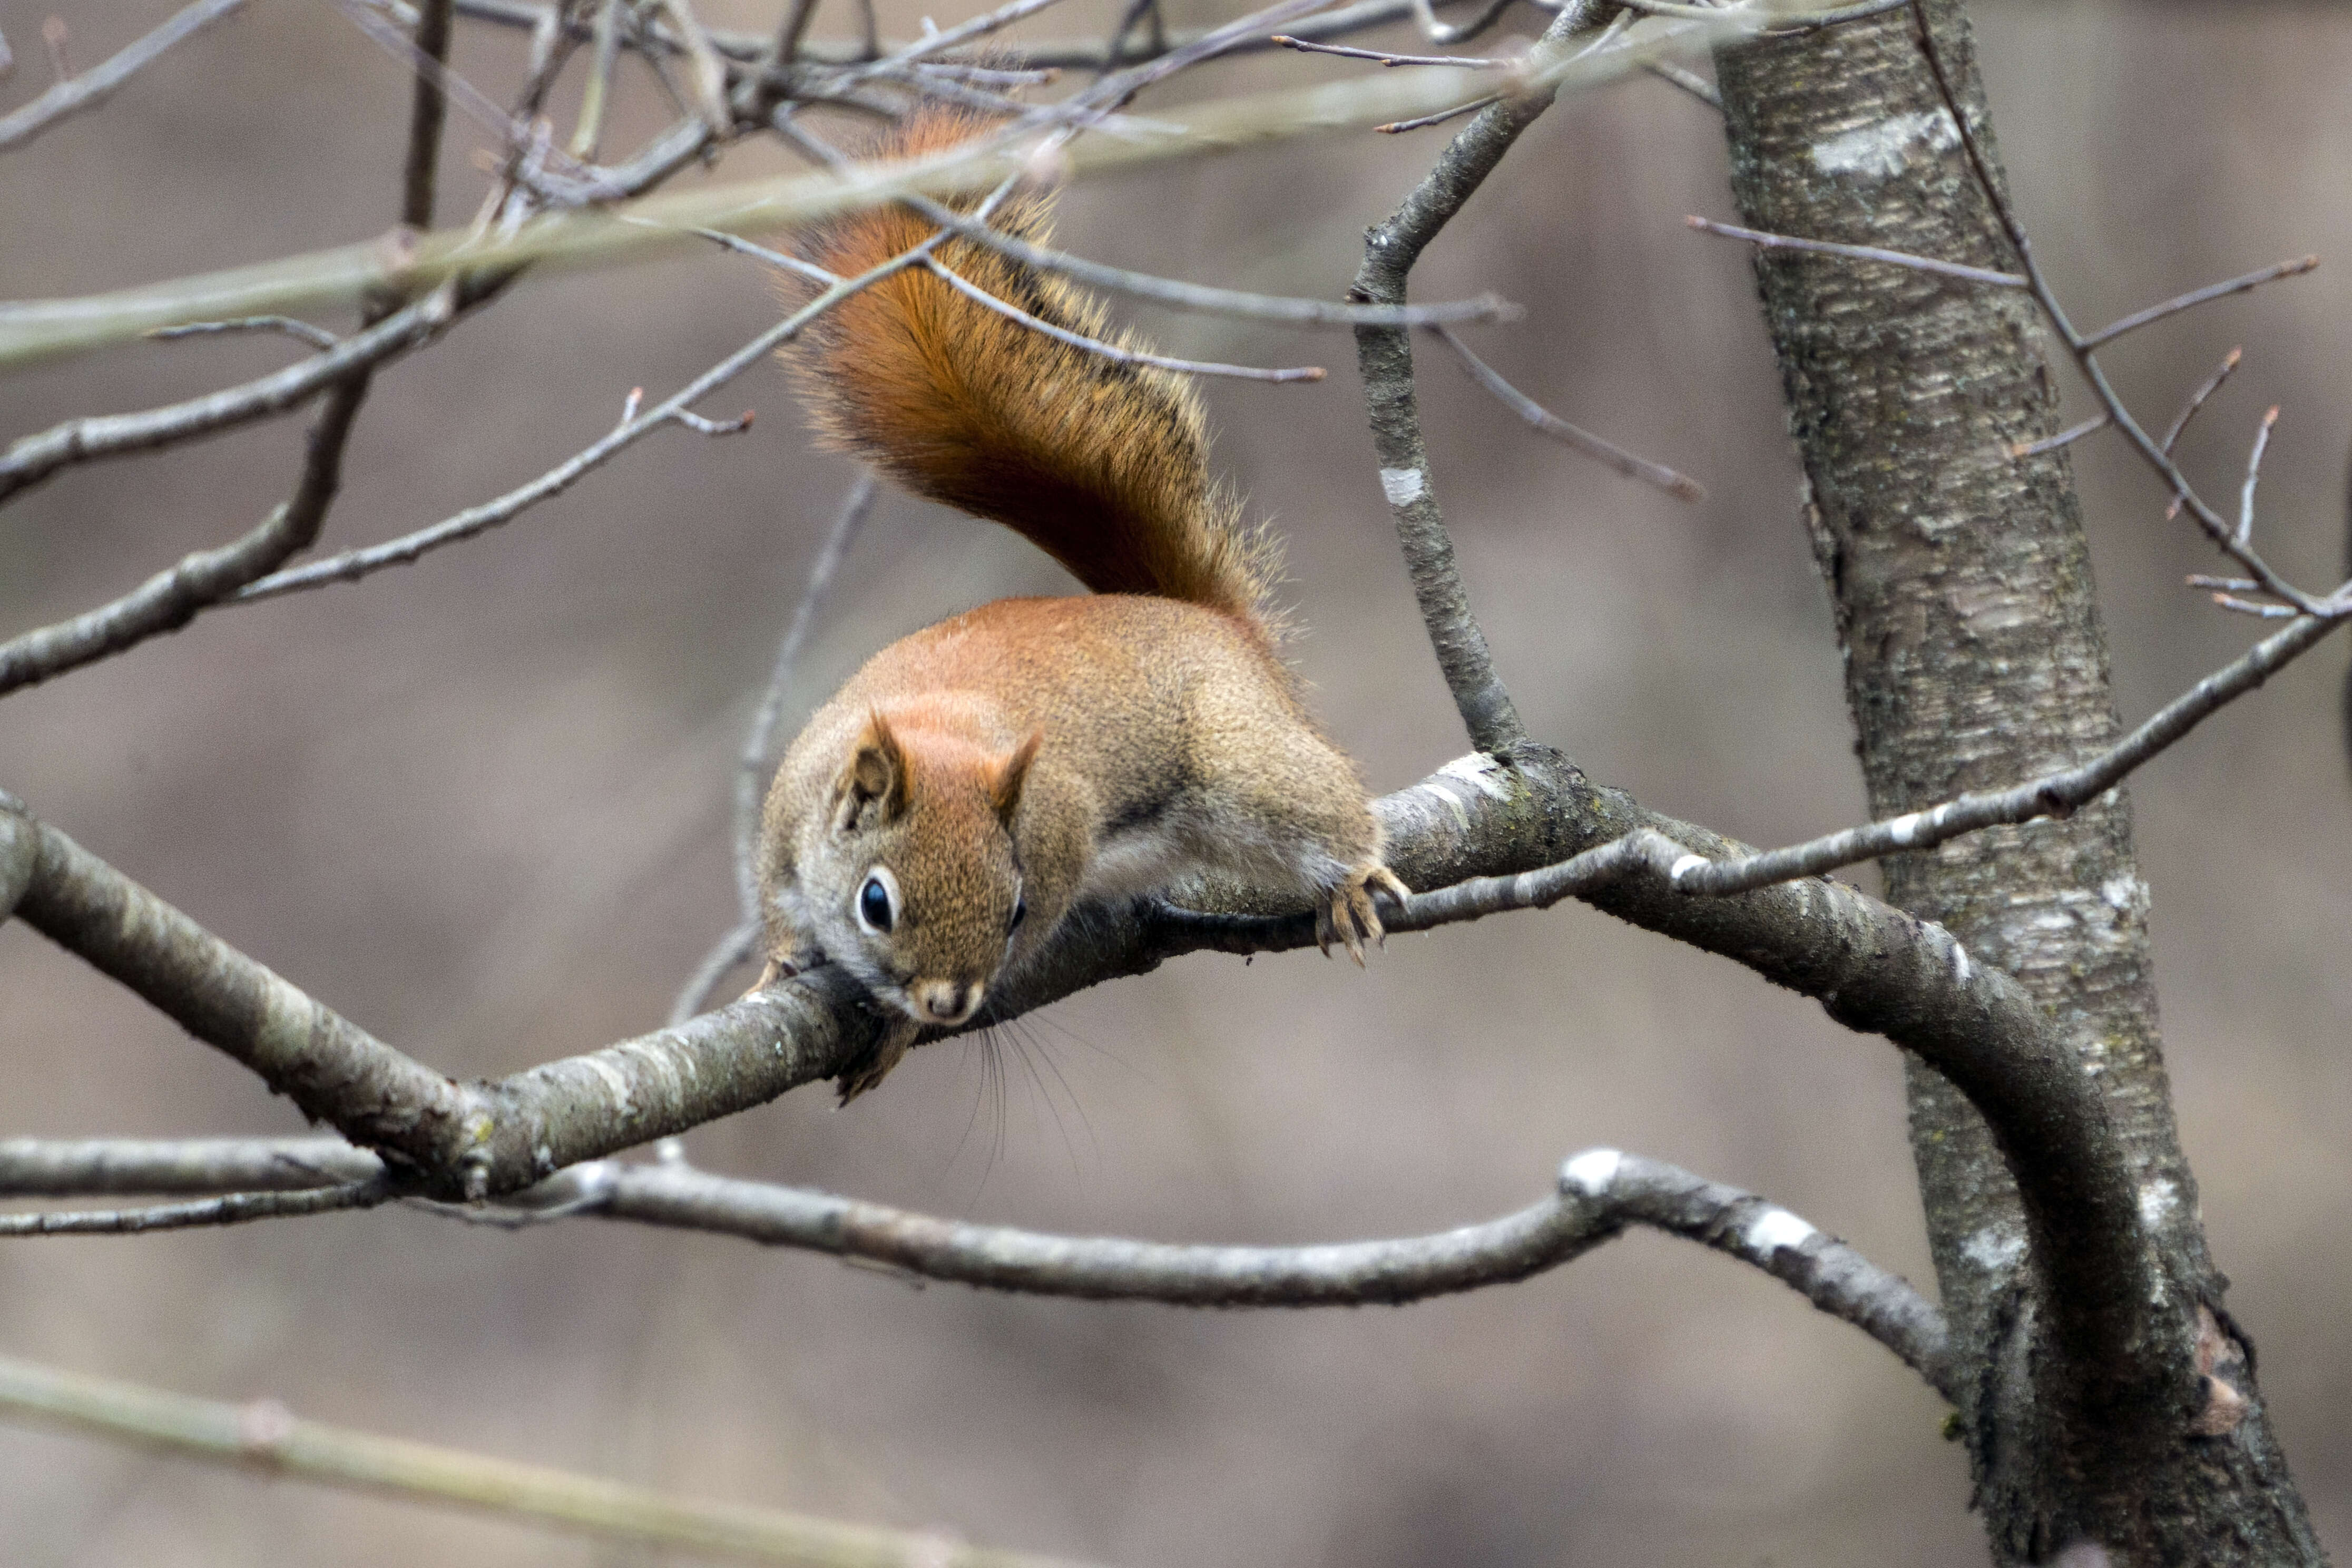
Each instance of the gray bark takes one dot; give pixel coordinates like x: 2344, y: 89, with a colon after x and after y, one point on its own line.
x: 1974, y: 657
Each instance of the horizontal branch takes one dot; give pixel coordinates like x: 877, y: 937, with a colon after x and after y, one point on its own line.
x: 33, y: 458
x: 1597, y: 1195
x: 264, y: 1437
x: 95, y: 86
x: 34, y: 330
x: 88, y: 1167
x: 229, y: 1208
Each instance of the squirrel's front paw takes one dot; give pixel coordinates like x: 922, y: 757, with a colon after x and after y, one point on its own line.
x: 1348, y: 913
x: 896, y: 1035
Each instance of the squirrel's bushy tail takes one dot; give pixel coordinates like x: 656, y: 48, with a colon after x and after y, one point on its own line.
x: 1100, y: 463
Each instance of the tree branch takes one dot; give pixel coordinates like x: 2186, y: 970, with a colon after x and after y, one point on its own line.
x: 1599, y: 1193
x: 2057, y: 794
x: 87, y: 1167
x: 93, y: 87
x: 1874, y: 968
x: 265, y: 1437
x: 229, y: 1208
x: 33, y: 458
x: 165, y: 602
x: 352, y: 566
x: 1384, y: 357
x: 33, y: 330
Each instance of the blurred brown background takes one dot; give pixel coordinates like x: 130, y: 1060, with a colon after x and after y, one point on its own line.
x: 480, y: 806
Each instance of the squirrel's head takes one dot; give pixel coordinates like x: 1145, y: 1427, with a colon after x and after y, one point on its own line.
x: 919, y: 841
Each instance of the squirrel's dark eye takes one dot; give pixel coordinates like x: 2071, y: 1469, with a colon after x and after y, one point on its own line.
x: 874, y: 906
x: 1020, y: 913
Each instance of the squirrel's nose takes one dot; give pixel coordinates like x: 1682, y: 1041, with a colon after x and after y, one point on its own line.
x: 945, y: 1001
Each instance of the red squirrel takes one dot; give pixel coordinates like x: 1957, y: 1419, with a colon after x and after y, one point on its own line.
x: 937, y: 818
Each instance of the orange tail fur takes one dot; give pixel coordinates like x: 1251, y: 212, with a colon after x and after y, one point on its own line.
x: 1101, y: 464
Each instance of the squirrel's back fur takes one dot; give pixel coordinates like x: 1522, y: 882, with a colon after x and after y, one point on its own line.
x: 1100, y: 463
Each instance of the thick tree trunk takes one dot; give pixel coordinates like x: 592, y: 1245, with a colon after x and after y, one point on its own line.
x: 1974, y: 658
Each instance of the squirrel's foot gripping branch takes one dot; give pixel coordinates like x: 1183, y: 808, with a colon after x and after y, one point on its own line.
x: 1348, y: 915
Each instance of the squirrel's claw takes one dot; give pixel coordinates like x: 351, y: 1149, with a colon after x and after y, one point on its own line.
x: 896, y: 1035
x: 1348, y: 913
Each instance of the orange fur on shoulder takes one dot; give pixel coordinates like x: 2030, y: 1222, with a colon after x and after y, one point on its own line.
x: 1101, y: 464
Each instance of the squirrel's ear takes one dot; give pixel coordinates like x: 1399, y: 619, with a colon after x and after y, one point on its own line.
x: 1005, y: 794
x: 877, y: 771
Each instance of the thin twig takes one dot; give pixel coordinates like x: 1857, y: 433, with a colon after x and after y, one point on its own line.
x: 229, y: 1208
x: 1079, y: 54
x: 709, y: 70
x: 72, y: 95
x: 2212, y: 384
x: 2065, y: 438
x: 1114, y: 351
x: 1860, y: 253
x: 33, y: 458
x: 1681, y: 487
x: 1423, y: 123
x: 760, y: 741
x: 2195, y: 297
x: 354, y: 564
x: 736, y: 947
x: 39, y: 329
x: 2215, y: 526
x: 1309, y: 46
x: 1690, y: 81
x: 264, y: 1436
x: 1184, y: 296
x: 988, y: 22
x: 2053, y: 795
x: 2254, y: 476
x: 317, y: 337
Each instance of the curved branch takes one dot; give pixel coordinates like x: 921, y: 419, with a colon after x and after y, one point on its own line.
x: 1598, y: 1194
x: 165, y: 602
x: 1384, y: 357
